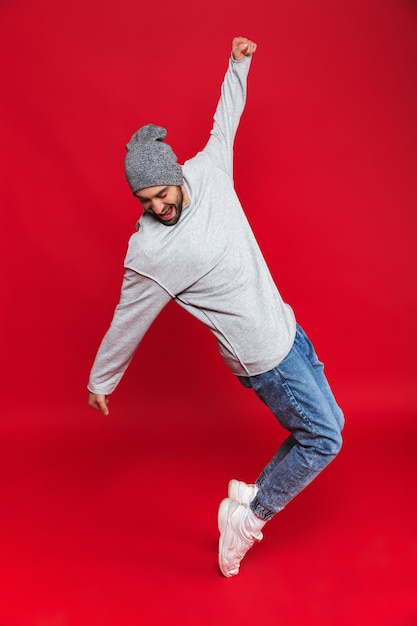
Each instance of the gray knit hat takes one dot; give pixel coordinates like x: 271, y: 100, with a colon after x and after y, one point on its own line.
x: 150, y: 162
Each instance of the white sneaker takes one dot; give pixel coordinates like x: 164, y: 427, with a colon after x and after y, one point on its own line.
x: 241, y: 492
x: 239, y: 529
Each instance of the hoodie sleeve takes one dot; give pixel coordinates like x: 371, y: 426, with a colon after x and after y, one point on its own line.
x: 228, y: 113
x: 141, y: 301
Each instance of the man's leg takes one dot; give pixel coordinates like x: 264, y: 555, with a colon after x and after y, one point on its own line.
x: 298, y: 394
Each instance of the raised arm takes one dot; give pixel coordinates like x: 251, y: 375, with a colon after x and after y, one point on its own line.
x: 231, y: 104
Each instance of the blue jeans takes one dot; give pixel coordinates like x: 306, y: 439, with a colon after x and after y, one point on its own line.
x: 298, y: 394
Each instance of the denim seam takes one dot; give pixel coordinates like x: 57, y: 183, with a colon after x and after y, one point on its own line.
x: 294, y: 401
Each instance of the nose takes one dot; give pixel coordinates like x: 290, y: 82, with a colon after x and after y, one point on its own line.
x: 157, y: 205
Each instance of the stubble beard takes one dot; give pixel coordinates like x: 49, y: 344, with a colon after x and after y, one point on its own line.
x: 178, y: 211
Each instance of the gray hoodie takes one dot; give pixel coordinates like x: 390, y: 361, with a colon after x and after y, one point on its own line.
x: 209, y: 263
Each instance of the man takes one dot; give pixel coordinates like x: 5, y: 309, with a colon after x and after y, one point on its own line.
x: 193, y: 244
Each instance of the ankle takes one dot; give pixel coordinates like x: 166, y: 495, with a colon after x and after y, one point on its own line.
x: 254, y: 523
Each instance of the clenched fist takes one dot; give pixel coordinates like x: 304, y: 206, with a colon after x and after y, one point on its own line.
x: 242, y: 47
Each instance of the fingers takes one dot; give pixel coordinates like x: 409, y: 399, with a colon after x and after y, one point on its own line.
x: 99, y: 402
x: 242, y: 47
x: 103, y: 407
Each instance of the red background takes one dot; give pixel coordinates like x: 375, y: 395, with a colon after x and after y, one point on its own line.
x: 113, y: 521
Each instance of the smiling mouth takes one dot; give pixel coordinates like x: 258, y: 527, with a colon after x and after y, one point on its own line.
x: 169, y: 214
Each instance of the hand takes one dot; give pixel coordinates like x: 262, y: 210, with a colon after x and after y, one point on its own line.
x: 242, y: 47
x: 98, y: 401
